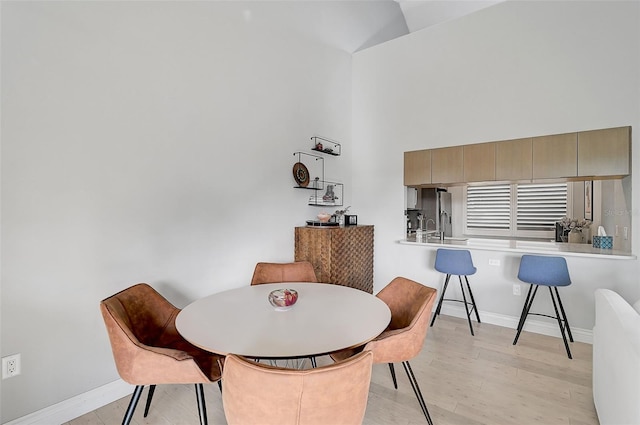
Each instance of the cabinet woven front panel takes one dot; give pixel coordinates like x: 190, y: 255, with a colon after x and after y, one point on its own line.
x: 340, y: 255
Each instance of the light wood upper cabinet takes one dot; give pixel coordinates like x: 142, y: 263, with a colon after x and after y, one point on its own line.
x: 585, y: 155
x: 604, y: 152
x: 417, y: 167
x: 479, y: 162
x: 514, y: 160
x: 555, y: 156
x: 447, y: 165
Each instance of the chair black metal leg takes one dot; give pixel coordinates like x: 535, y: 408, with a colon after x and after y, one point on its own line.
x: 444, y: 289
x: 202, y: 408
x: 152, y: 389
x: 313, y: 362
x: 220, y: 384
x: 393, y: 375
x: 564, y: 315
x: 132, y: 405
x: 466, y: 306
x: 473, y: 301
x: 525, y: 310
x: 416, y: 390
x: 560, y: 324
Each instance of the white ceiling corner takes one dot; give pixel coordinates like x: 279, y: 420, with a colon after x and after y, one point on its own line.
x: 420, y: 14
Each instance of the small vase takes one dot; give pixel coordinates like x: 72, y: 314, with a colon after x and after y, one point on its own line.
x: 575, y: 236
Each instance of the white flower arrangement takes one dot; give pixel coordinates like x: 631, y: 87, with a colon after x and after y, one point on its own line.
x: 574, y: 223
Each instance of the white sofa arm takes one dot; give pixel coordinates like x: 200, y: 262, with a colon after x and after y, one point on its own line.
x: 616, y: 360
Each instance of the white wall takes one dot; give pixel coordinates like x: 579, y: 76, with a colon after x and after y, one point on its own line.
x: 513, y: 70
x: 147, y: 141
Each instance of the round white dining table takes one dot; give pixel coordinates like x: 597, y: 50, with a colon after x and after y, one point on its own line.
x: 325, y: 318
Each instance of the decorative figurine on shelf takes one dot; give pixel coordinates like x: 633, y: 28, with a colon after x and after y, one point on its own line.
x: 330, y: 195
x: 319, y: 146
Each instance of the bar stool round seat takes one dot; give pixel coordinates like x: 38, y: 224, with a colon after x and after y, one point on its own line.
x: 552, y: 272
x: 456, y: 262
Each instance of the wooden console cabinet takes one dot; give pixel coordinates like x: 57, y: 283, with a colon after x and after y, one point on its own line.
x: 340, y: 255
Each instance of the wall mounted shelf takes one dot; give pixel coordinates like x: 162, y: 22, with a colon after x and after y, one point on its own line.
x: 308, y: 171
x: 320, y: 144
x: 333, y: 196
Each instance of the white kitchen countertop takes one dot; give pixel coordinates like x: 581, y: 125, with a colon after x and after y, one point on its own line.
x: 529, y: 247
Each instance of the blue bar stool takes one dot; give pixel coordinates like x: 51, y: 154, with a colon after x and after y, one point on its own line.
x: 456, y: 262
x: 547, y: 271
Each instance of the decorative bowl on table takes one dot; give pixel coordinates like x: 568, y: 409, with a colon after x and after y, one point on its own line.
x: 283, y: 299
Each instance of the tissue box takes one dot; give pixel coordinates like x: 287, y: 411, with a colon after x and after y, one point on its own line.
x: 603, y: 242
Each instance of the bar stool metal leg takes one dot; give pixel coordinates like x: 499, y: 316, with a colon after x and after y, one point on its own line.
x: 439, y: 307
x: 525, y: 310
x: 523, y: 315
x: 473, y: 301
x: 560, y: 323
x: 564, y: 316
x: 466, y: 306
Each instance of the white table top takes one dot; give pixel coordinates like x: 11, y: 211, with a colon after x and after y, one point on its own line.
x: 325, y: 318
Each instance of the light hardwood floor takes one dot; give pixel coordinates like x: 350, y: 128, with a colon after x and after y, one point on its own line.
x: 465, y: 380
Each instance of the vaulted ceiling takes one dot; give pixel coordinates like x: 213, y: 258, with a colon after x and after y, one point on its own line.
x: 354, y: 25
x: 419, y: 14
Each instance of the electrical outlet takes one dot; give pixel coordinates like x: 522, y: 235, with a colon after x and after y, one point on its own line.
x: 493, y: 262
x: 10, y: 366
x: 516, y: 289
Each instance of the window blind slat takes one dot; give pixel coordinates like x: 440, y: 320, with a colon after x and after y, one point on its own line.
x: 537, y: 206
x: 488, y: 207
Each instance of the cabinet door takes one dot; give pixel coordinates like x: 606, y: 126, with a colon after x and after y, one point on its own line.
x: 447, y: 165
x: 479, y: 162
x: 604, y: 152
x: 417, y: 167
x: 340, y: 255
x: 514, y: 160
x: 555, y: 156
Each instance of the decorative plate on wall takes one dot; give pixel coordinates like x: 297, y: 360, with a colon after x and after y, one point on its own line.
x: 301, y: 174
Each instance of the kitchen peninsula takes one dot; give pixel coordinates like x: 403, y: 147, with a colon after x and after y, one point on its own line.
x: 521, y: 246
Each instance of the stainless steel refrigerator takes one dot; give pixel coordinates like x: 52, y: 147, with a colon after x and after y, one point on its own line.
x: 436, y: 211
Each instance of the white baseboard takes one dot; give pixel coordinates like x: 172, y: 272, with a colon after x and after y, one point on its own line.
x: 532, y: 325
x: 76, y: 406
x: 91, y: 400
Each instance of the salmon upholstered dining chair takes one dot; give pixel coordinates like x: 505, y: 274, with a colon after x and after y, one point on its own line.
x: 148, y: 350
x: 411, y: 304
x: 299, y: 271
x: 256, y: 393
